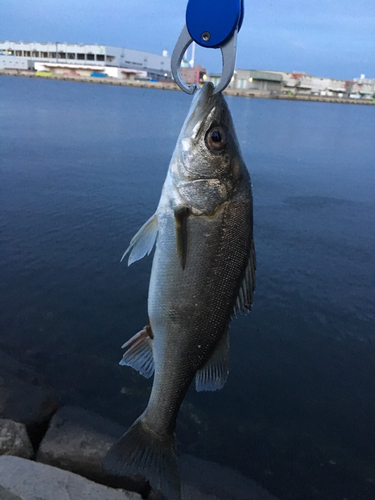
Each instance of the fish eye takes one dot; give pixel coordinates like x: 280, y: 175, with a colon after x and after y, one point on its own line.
x: 216, y: 139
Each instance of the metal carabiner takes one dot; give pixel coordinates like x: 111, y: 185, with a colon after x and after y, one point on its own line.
x: 211, y: 24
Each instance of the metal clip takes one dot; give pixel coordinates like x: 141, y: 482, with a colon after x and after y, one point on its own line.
x: 228, y: 53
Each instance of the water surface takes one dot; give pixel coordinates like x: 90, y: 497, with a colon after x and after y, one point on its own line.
x: 81, y: 169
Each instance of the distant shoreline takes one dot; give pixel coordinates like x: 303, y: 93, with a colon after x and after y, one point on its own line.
x: 173, y: 86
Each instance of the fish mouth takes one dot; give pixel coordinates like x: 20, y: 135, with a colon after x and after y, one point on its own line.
x: 204, y: 101
x: 202, y: 96
x: 206, y: 91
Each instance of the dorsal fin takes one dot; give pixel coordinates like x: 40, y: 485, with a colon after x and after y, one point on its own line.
x: 213, y: 375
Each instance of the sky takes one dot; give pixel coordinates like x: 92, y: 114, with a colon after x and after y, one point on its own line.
x: 328, y: 38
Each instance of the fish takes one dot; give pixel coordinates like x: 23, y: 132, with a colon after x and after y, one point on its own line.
x: 203, y: 274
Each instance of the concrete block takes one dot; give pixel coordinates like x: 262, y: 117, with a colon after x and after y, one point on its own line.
x: 14, y: 439
x: 22, y: 479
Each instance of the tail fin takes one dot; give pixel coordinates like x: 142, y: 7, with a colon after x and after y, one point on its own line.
x: 141, y: 452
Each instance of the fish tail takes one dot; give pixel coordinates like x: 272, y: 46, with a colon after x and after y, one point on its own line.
x: 141, y: 452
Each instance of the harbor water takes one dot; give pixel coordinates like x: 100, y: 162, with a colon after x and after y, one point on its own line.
x: 81, y: 169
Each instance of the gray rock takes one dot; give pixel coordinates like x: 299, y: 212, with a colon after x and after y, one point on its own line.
x: 77, y: 440
x: 22, y: 479
x: 24, y: 398
x: 14, y: 439
x: 7, y: 495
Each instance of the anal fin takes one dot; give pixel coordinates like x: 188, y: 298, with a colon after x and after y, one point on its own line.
x: 213, y: 375
x: 139, y: 352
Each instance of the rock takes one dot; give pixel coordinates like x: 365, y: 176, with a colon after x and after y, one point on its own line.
x: 22, y: 479
x: 14, y: 439
x: 24, y: 398
x: 203, y: 480
x: 77, y: 440
x: 6, y: 495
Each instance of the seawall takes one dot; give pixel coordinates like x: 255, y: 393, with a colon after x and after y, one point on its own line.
x: 173, y: 86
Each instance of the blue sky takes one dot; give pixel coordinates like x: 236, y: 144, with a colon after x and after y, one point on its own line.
x: 322, y: 37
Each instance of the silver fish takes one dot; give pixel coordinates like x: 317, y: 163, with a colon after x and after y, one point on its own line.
x: 203, y: 272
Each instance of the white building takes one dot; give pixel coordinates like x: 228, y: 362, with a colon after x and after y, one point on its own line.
x: 364, y: 87
x: 23, y: 55
x: 305, y: 84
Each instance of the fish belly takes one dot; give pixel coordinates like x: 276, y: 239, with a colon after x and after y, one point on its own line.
x: 190, y: 309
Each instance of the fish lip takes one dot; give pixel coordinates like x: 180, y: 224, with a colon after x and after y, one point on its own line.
x: 207, y: 90
x: 203, y: 102
x: 203, y: 95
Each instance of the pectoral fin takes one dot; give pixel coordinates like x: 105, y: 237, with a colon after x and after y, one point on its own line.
x: 143, y: 242
x: 139, y: 353
x: 180, y: 219
x: 213, y: 375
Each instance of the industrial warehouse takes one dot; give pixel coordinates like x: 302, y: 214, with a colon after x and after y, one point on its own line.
x: 121, y: 65
x: 84, y: 60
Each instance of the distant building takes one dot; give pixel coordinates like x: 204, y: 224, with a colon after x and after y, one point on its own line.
x: 87, y: 70
x: 263, y: 81
x: 193, y: 75
x: 252, y: 80
x: 297, y: 83
x: 305, y: 84
x: 23, y: 55
x: 365, y: 87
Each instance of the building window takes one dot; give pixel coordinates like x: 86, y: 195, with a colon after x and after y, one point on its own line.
x: 62, y: 55
x: 52, y: 54
x: 18, y: 53
x: 90, y: 57
x: 35, y: 53
x: 100, y: 57
x: 81, y: 57
x: 26, y: 53
x: 110, y: 58
x: 71, y: 55
x: 44, y: 54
